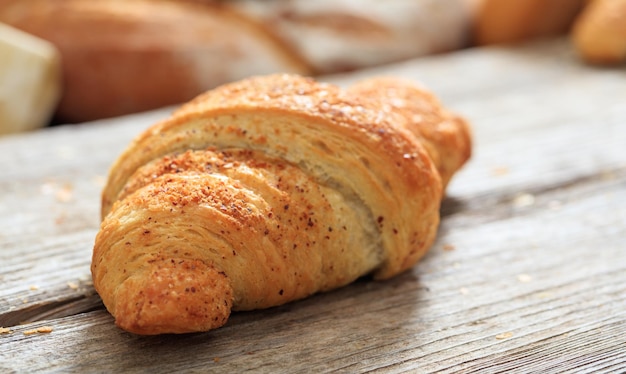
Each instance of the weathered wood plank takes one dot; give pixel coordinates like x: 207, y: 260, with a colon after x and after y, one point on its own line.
x: 536, y: 220
x: 563, y: 306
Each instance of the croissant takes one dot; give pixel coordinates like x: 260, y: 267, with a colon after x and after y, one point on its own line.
x: 268, y: 190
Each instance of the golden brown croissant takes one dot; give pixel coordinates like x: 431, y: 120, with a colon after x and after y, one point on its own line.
x: 268, y: 190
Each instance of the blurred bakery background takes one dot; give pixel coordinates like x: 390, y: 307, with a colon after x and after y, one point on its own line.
x: 72, y: 61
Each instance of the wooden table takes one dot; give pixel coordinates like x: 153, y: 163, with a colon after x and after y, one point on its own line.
x: 528, y: 272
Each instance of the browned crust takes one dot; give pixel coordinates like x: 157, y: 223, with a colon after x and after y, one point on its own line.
x: 408, y: 168
x: 204, y: 291
x: 284, y: 94
x: 445, y: 135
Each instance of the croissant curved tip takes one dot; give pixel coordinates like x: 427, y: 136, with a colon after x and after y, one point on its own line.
x: 176, y: 296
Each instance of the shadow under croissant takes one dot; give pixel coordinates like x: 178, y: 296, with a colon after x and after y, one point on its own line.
x: 361, y: 308
x: 450, y: 206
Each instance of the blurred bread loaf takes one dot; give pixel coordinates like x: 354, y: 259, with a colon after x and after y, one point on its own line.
x: 340, y: 35
x: 505, y: 21
x: 599, y: 33
x: 125, y: 56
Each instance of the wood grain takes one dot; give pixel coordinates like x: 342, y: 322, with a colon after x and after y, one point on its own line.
x: 528, y: 273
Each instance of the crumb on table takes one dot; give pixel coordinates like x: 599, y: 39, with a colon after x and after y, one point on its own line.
x: 39, y: 330
x: 505, y: 335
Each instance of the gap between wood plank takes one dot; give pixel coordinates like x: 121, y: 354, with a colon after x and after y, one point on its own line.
x: 52, y: 310
x: 496, y: 206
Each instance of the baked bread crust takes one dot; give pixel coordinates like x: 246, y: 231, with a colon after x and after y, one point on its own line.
x: 275, y: 188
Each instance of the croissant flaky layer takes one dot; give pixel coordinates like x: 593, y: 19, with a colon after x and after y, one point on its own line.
x: 268, y: 190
